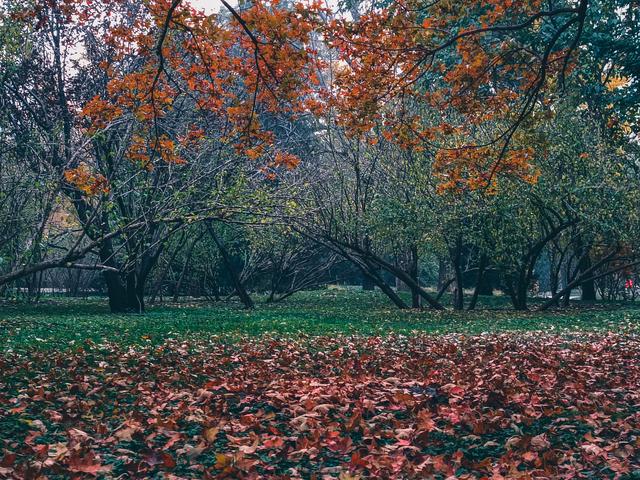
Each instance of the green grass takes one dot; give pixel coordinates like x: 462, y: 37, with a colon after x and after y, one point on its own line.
x: 65, y: 323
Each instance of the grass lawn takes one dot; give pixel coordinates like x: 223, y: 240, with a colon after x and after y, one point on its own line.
x: 331, y: 384
x: 64, y: 323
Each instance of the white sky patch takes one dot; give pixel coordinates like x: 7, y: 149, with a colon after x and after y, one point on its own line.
x: 209, y: 6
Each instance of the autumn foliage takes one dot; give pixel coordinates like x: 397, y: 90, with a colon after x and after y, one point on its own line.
x: 86, y: 181
x: 445, y: 77
x: 501, y: 406
x: 457, y: 78
x: 212, y: 63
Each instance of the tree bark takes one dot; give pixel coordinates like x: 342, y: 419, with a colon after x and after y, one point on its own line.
x: 367, y: 284
x: 369, y: 271
x: 187, y: 260
x: 588, y: 275
x: 245, y: 298
x: 588, y: 286
x: 455, y: 254
x: 127, y: 296
x: 414, y: 272
x: 479, y: 281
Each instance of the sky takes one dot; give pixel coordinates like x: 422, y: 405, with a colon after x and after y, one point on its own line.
x: 209, y: 6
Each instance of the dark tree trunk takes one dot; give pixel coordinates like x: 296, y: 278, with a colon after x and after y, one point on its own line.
x: 568, y: 279
x: 135, y: 292
x: 235, y: 278
x: 456, y: 261
x: 443, y: 280
x: 443, y: 288
x: 567, y: 299
x: 588, y: 286
x: 485, y: 286
x: 367, y: 283
x: 126, y: 293
x: 414, y: 272
x: 479, y: 282
x: 402, y: 275
x: 127, y: 296
x: 516, y: 287
x: 370, y: 272
x: 521, y: 294
x: 122, y: 297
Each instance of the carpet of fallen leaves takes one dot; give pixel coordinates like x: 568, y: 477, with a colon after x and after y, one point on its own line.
x: 489, y: 406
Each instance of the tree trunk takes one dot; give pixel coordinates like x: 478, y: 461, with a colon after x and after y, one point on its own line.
x: 414, y: 272
x: 367, y: 283
x: 484, y: 286
x: 443, y: 288
x: 135, y: 292
x: 370, y: 272
x: 516, y: 287
x: 127, y: 296
x: 588, y: 286
x: 165, y: 271
x: 521, y: 294
x: 479, y: 281
x: 226, y: 259
x: 456, y: 261
x: 183, y: 272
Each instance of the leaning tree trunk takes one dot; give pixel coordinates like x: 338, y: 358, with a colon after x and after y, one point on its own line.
x: 235, y: 278
x: 187, y: 261
x: 368, y: 281
x: 370, y: 271
x: 414, y: 272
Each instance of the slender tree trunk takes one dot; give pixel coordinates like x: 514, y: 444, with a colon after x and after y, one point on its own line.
x: 226, y: 259
x: 370, y: 272
x: 406, y: 278
x: 568, y: 279
x: 414, y: 272
x: 187, y: 260
x: 479, y: 280
x: 443, y: 288
x: 443, y: 281
x: 456, y: 262
x: 165, y: 271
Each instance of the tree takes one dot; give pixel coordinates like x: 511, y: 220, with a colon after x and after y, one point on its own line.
x: 169, y: 97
